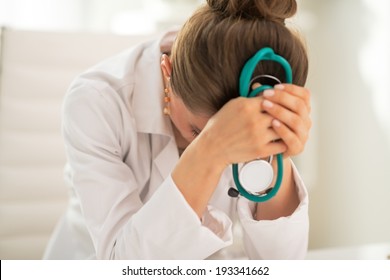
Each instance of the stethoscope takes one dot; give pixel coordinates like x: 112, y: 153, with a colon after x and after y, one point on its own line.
x: 253, y: 179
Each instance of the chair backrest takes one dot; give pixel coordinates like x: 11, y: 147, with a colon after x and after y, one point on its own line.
x: 36, y: 69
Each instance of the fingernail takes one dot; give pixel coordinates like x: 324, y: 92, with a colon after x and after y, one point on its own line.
x: 268, y: 104
x: 276, y: 123
x: 279, y: 86
x: 268, y: 92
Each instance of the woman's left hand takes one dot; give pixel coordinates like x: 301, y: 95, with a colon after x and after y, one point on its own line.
x: 289, y: 105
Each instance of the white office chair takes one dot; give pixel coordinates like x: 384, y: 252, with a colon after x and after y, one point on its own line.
x: 36, y: 69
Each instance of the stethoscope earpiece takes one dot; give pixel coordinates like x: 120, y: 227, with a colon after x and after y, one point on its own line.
x: 264, y: 79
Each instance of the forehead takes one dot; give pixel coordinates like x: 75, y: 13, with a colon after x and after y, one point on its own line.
x: 197, y: 119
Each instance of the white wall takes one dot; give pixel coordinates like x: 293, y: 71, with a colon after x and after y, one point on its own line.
x: 349, y: 52
x: 41, y: 14
x: 115, y: 16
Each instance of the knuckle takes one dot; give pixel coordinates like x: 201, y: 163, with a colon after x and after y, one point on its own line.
x: 276, y: 110
x: 296, y: 150
x: 307, y: 93
x: 296, y: 121
x: 243, y: 106
x: 309, y: 123
x: 259, y: 152
x: 299, y: 105
x: 251, y: 125
x: 304, y: 135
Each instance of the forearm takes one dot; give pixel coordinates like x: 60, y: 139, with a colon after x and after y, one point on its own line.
x: 285, y: 201
x: 197, y: 174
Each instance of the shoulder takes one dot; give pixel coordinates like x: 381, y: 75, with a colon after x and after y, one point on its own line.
x: 92, y: 111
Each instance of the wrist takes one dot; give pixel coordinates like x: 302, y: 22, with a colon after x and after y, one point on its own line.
x: 211, y: 150
x: 197, y: 174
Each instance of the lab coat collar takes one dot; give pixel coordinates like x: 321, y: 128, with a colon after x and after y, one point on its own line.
x: 148, y: 104
x: 148, y: 96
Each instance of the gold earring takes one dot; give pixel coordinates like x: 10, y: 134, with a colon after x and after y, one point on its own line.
x: 167, y: 99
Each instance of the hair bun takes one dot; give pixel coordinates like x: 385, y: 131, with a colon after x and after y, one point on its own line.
x: 273, y: 10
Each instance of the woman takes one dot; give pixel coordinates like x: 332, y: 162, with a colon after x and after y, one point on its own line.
x: 151, y: 134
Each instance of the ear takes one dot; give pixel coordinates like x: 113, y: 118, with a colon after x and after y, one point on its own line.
x: 166, y: 67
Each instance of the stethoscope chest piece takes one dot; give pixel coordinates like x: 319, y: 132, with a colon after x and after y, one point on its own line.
x: 256, y: 176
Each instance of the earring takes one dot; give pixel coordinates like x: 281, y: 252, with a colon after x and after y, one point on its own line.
x: 167, y: 99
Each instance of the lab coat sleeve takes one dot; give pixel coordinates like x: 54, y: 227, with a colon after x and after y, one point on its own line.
x: 283, y: 238
x: 121, y: 226
x: 167, y: 228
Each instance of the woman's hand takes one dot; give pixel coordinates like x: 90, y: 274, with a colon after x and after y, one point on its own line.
x: 241, y: 131
x: 289, y: 106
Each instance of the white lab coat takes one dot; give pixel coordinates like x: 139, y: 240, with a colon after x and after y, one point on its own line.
x: 124, y: 203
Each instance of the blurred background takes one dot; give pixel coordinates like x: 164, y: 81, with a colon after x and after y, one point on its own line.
x: 346, y: 164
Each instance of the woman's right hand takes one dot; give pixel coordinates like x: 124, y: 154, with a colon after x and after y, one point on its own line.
x: 240, y: 131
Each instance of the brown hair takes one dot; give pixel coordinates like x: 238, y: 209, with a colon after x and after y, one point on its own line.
x: 217, y: 40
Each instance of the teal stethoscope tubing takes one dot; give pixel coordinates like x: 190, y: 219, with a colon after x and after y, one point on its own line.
x: 244, y: 87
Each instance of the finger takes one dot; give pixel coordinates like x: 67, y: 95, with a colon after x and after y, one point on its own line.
x: 298, y: 96
x: 261, y: 131
x: 298, y: 91
x: 298, y: 124
x: 295, y: 90
x: 273, y: 148
x: 294, y: 143
x: 289, y: 101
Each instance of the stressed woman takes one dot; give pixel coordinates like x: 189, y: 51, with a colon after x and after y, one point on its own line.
x: 151, y: 135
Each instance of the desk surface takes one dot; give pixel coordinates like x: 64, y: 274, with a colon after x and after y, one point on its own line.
x: 379, y: 251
